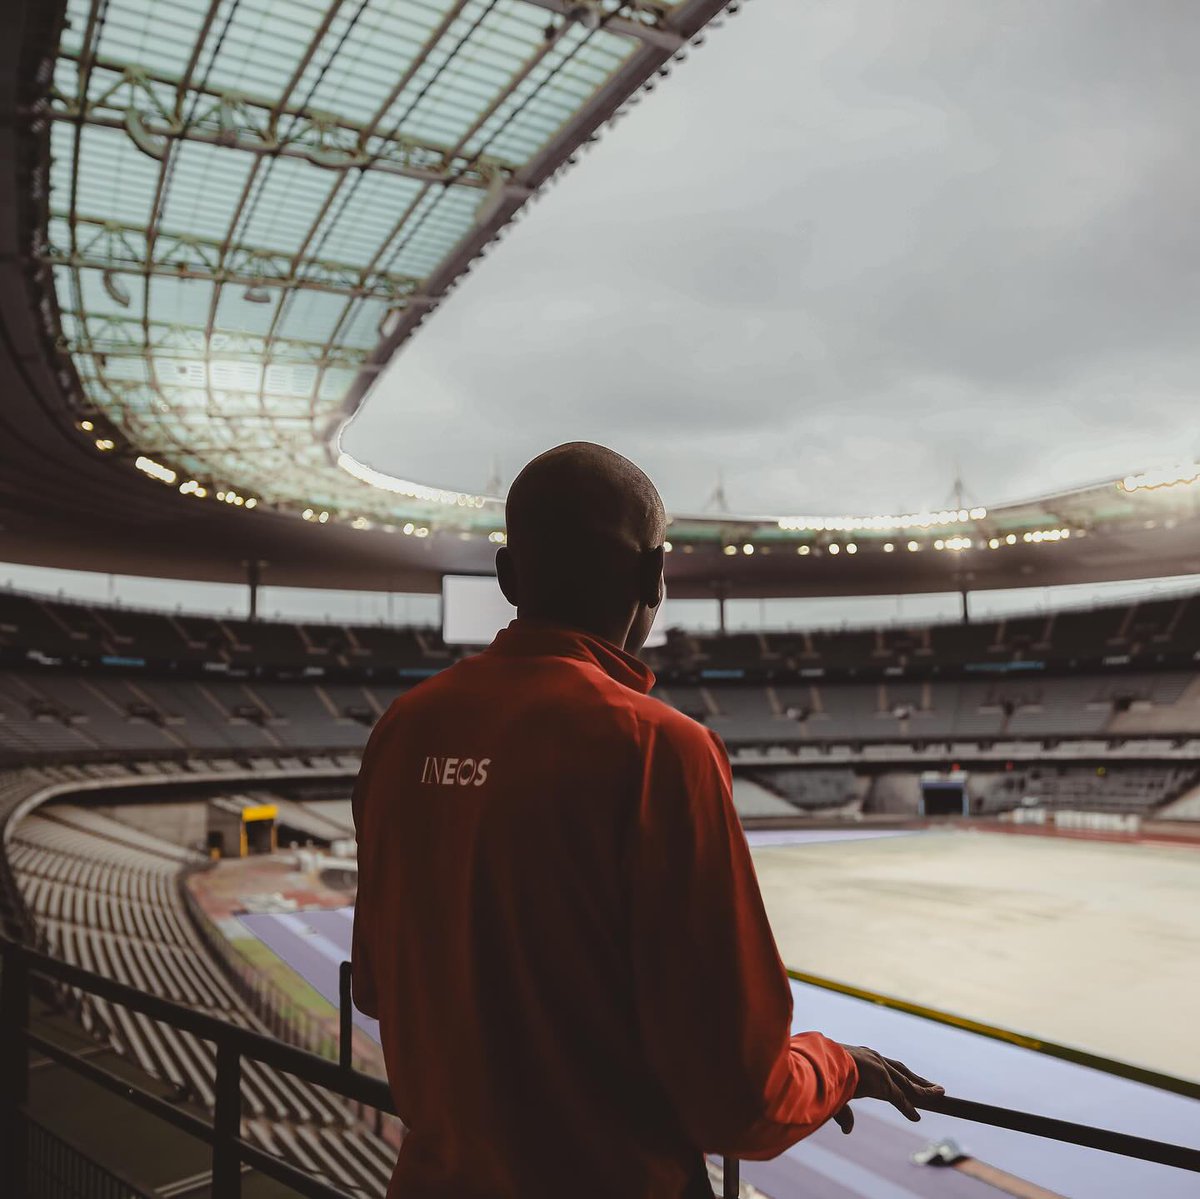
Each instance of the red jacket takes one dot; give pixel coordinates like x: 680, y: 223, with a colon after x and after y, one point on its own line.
x: 560, y: 930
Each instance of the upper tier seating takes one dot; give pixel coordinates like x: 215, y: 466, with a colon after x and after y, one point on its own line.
x: 243, y: 687
x: 1148, y: 629
x: 51, y: 712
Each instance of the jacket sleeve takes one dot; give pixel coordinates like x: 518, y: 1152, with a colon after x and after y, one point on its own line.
x: 713, y: 999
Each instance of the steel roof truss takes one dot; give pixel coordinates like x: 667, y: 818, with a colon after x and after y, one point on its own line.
x: 111, y: 246
x: 144, y: 104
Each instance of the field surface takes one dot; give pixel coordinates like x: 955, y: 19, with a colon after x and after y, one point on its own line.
x: 1089, y: 943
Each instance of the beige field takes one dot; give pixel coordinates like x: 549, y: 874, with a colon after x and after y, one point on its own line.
x: 1087, y: 943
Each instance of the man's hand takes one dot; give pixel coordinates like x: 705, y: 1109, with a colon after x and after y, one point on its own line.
x: 883, y: 1078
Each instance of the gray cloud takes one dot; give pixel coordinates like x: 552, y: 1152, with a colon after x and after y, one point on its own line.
x: 844, y: 249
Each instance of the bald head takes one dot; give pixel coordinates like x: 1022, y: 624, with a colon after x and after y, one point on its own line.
x: 585, y: 535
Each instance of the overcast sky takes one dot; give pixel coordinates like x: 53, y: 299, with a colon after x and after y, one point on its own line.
x: 845, y: 249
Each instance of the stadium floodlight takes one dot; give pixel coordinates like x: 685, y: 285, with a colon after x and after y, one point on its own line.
x: 834, y: 548
x: 747, y: 548
x: 913, y: 547
x: 851, y: 548
x: 156, y: 470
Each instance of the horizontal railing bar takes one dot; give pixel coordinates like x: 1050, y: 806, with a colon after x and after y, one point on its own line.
x: 352, y: 1084
x: 1068, y: 1132
x: 155, y: 1104
x: 374, y: 1092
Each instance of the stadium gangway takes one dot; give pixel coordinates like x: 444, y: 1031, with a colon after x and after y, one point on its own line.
x: 230, y: 1151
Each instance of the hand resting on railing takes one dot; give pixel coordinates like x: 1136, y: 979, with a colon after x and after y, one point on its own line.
x: 885, y: 1078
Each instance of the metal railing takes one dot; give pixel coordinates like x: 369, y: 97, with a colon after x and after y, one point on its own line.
x: 230, y: 1151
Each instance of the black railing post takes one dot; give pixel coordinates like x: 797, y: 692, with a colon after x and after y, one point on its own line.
x: 731, y: 1187
x: 345, y: 1015
x: 227, y: 1123
x: 14, y: 1070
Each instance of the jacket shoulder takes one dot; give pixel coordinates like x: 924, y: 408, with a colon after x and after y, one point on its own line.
x: 653, y: 715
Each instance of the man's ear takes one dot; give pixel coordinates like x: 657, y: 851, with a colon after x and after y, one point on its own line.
x: 652, y: 588
x: 506, y: 574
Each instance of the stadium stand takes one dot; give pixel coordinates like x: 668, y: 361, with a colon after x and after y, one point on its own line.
x: 1105, y: 789
x: 1159, y: 632
x: 81, y: 680
x: 811, y: 789
x: 103, y: 894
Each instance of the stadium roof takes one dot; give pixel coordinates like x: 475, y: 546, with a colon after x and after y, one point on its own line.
x: 254, y: 202
x: 232, y: 214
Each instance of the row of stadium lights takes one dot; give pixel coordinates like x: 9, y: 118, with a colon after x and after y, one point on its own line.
x: 192, y: 487
x: 911, y: 520
x: 1169, y: 476
x: 953, y: 544
x: 165, y: 474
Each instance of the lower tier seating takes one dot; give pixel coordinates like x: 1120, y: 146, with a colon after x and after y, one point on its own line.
x: 105, y: 896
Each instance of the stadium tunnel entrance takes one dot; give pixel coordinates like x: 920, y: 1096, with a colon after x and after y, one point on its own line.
x: 944, y: 794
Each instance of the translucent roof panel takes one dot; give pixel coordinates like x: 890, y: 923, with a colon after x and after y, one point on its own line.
x: 254, y: 201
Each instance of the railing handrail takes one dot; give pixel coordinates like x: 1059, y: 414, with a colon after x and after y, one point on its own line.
x: 233, y: 1043
x: 348, y: 1082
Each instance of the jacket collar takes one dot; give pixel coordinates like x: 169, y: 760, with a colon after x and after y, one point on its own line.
x: 538, y: 638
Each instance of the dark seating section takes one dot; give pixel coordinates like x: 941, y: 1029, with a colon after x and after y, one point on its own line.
x: 1118, y: 788
x: 51, y: 712
x: 242, y: 687
x: 811, y: 789
x: 1156, y: 628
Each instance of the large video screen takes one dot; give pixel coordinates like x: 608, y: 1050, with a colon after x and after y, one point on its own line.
x: 474, y: 610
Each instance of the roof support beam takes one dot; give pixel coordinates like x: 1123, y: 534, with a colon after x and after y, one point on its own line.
x: 649, y: 31
x: 117, y: 248
x: 143, y: 103
x: 122, y: 336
